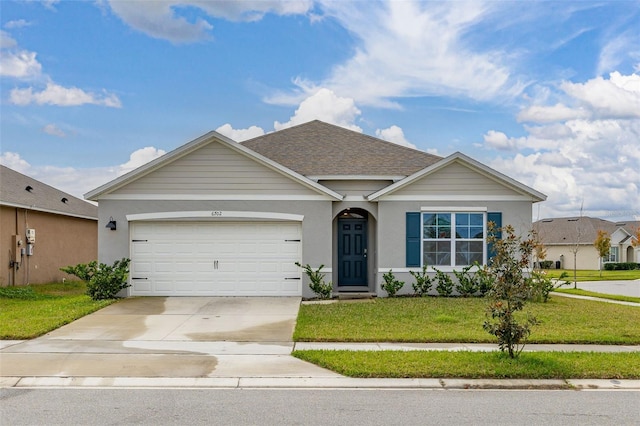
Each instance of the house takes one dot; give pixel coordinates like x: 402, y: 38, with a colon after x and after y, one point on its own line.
x: 565, y: 236
x: 42, y: 229
x: 217, y: 217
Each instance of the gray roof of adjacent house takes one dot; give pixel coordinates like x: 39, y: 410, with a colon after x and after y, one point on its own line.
x: 572, y: 230
x: 321, y: 149
x: 18, y: 190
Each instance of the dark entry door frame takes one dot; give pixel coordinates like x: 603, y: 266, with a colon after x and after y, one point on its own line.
x: 352, y: 251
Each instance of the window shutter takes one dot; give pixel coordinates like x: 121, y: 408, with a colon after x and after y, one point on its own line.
x: 496, y: 218
x: 413, y: 239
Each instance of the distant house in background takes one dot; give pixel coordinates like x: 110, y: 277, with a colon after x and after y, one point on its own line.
x: 561, y: 236
x: 41, y: 230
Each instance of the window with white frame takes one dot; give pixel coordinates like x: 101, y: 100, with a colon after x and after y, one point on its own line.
x: 612, y: 256
x: 453, y: 238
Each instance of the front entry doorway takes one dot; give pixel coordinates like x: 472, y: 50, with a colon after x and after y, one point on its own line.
x: 352, y: 248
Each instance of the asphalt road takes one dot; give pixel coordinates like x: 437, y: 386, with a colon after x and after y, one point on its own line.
x: 316, y: 407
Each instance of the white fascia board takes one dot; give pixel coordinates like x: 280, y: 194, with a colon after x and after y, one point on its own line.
x: 393, y: 178
x: 454, y: 209
x: 38, y: 209
x: 216, y: 197
x: 450, y: 198
x: 214, y: 215
x: 530, y: 193
x: 192, y: 146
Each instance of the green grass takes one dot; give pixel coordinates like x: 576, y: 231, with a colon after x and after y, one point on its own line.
x: 31, y: 311
x: 459, y: 320
x: 589, y: 275
x: 477, y: 365
x: 580, y: 292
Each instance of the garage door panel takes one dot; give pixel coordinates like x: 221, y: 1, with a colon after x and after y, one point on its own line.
x: 216, y: 258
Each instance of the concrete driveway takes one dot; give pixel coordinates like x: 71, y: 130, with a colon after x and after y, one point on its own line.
x: 169, y: 337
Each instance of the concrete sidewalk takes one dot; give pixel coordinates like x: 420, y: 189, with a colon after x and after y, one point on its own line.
x: 285, y: 371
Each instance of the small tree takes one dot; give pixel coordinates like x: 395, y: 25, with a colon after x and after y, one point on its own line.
x: 511, y: 289
x: 602, y: 245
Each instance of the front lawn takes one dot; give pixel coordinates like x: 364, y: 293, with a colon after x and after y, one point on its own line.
x: 477, y: 365
x: 590, y: 275
x: 459, y: 320
x: 31, y: 311
x: 581, y: 292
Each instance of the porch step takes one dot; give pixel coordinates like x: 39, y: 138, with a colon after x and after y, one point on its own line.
x: 355, y: 295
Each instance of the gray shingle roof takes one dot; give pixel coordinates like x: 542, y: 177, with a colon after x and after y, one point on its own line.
x: 570, y: 230
x: 320, y: 149
x: 41, y: 196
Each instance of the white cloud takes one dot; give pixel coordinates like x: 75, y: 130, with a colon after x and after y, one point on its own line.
x: 13, y: 161
x: 412, y: 48
x: 78, y: 181
x: 598, y: 98
x: 240, y: 135
x: 394, y: 134
x: 326, y: 106
x: 500, y: 141
x: 161, y: 18
x: 617, y: 50
x: 586, y: 154
x: 19, y: 64
x: 55, y: 94
x: 140, y: 157
x: 53, y: 130
x: 18, y: 23
x: 6, y: 41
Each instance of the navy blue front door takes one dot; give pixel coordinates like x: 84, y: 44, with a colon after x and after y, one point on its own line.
x: 352, y: 252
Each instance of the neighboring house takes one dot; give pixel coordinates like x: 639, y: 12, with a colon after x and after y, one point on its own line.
x: 217, y: 217
x: 42, y: 229
x: 565, y: 235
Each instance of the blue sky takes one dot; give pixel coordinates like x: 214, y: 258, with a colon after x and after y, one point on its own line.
x: 545, y: 92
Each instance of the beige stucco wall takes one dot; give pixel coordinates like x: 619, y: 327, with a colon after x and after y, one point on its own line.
x: 60, y: 241
x: 586, y: 256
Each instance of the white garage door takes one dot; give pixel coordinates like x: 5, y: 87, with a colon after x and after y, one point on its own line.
x: 215, y: 259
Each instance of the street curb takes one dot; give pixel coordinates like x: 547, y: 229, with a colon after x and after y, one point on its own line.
x: 313, y: 383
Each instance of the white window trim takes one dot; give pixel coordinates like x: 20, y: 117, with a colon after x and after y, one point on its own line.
x: 453, y: 211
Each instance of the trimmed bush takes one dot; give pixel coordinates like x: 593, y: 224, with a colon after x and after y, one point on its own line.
x: 391, y: 285
x: 621, y: 266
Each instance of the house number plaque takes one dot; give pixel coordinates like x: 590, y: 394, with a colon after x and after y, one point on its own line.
x: 216, y: 213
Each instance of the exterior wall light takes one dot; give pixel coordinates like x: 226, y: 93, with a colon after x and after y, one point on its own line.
x: 112, y: 224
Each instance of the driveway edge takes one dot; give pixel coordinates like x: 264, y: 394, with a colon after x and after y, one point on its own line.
x: 313, y: 383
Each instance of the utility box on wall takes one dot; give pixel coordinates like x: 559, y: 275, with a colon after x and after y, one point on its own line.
x: 31, y: 236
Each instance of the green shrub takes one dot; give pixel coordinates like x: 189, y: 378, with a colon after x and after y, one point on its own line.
x: 621, y: 266
x: 103, y: 281
x: 546, y: 264
x: 445, y: 283
x: 391, y: 285
x: 542, y: 285
x: 317, y: 285
x: 467, y: 285
x: 423, y: 282
x: 483, y: 279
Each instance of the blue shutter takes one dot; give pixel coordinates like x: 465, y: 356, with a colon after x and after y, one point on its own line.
x: 496, y: 218
x: 413, y: 239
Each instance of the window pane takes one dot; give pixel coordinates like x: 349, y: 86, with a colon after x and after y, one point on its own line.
x: 437, y: 253
x: 462, y: 219
x: 475, y: 232
x: 468, y: 252
x: 436, y: 225
x: 476, y: 219
x: 462, y: 231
